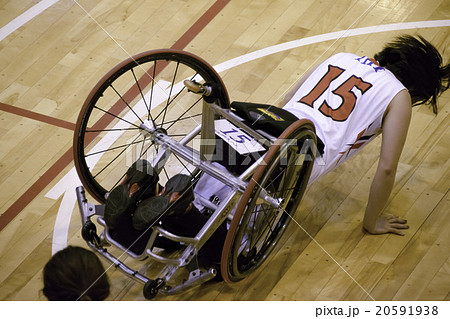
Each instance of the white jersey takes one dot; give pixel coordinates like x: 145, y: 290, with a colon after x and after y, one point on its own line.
x: 346, y: 98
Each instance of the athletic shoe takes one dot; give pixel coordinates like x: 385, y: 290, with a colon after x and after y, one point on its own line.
x: 176, y: 198
x: 138, y: 184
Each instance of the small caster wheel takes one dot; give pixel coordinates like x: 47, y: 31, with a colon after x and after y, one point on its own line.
x: 89, y: 231
x: 152, y: 287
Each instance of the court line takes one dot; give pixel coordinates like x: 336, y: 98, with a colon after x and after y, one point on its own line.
x: 271, y: 50
x: 206, y: 18
x: 255, y: 55
x: 68, y: 202
x: 36, y: 116
x: 43, y: 181
x: 25, y: 17
x: 181, y: 43
x: 327, y: 37
x: 66, y: 158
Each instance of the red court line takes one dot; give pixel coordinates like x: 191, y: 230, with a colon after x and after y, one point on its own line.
x: 200, y: 24
x: 36, y: 116
x: 67, y: 157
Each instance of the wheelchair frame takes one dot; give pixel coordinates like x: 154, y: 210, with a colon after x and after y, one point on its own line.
x: 250, y: 189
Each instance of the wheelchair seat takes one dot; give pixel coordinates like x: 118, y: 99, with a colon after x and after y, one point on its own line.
x: 265, y: 117
x: 268, y: 118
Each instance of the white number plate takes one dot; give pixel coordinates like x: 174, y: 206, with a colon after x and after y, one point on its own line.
x: 237, y: 138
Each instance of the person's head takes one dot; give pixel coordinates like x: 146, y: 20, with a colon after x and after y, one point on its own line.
x: 418, y: 65
x: 75, y: 273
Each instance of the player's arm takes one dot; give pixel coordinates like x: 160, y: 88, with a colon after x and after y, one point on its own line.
x: 395, y: 129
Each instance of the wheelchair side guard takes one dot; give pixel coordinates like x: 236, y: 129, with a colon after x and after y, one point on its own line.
x: 87, y: 209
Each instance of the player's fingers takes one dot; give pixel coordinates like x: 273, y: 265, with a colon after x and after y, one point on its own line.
x: 396, y: 219
x: 396, y: 231
x: 399, y: 226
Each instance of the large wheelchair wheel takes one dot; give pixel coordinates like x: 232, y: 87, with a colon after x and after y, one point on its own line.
x: 257, y: 226
x: 147, y: 87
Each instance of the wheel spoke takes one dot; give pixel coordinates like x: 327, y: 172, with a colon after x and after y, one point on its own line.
x: 264, y: 226
x: 125, y: 147
x: 117, y: 117
x: 170, y: 92
x: 185, y: 118
x: 149, y: 114
x: 114, y: 148
x: 113, y: 130
x: 142, y: 93
x: 109, y: 127
x: 257, y: 226
x: 126, y: 103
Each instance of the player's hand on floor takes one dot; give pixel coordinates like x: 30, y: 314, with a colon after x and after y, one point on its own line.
x: 389, y: 224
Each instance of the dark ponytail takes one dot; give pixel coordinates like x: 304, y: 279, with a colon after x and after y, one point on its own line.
x: 418, y: 65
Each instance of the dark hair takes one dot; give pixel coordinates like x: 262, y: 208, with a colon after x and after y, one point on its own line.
x: 418, y: 65
x: 75, y: 273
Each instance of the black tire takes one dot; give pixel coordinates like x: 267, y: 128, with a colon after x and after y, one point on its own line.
x: 148, y: 86
x: 151, y: 288
x: 257, y: 226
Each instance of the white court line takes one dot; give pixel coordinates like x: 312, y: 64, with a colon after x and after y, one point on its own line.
x: 327, y: 37
x: 69, y: 184
x: 65, y: 187
x: 70, y: 181
x: 25, y: 17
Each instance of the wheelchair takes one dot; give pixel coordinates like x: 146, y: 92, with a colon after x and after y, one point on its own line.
x: 171, y: 108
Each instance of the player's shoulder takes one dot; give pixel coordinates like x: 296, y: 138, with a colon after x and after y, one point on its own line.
x: 348, y: 60
x: 344, y: 56
x: 400, y: 106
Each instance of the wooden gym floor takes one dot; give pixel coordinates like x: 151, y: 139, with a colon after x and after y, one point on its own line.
x: 49, y: 64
